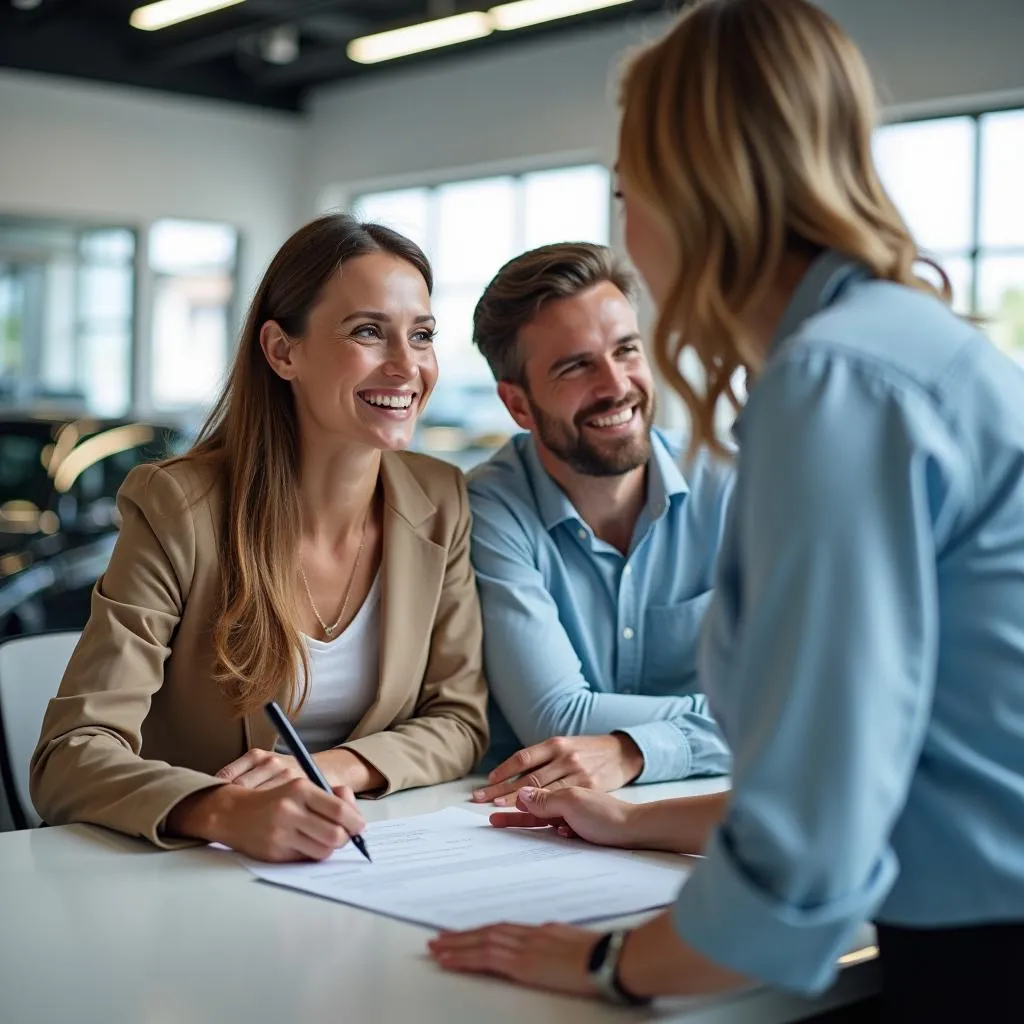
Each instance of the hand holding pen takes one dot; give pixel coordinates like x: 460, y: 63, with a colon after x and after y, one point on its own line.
x: 298, y: 750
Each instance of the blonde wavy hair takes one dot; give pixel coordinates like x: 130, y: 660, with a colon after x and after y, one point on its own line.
x: 746, y: 130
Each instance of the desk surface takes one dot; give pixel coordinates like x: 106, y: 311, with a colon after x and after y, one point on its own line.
x: 96, y: 928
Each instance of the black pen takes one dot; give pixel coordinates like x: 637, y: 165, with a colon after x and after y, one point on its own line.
x: 302, y: 755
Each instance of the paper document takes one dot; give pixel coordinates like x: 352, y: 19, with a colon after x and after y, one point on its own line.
x: 453, y: 870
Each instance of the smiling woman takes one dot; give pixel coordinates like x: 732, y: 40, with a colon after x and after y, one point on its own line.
x: 295, y: 554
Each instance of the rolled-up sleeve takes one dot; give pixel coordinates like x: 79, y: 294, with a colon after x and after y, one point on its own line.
x: 688, y: 744
x: 824, y: 644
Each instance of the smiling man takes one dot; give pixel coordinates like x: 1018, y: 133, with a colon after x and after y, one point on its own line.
x: 593, y: 552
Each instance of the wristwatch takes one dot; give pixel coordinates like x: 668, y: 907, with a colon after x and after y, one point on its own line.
x: 603, y: 969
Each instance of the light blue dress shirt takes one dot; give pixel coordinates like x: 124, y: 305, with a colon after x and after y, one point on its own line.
x: 579, y: 639
x: 864, y: 650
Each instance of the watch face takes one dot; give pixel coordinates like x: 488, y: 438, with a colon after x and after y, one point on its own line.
x: 599, y: 953
x: 601, y: 967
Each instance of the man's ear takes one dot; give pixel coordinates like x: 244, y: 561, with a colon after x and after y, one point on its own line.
x: 278, y: 349
x: 514, y: 397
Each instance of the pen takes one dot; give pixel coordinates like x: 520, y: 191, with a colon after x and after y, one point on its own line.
x: 302, y: 755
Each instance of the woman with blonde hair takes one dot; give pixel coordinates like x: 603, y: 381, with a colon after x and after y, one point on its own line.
x: 296, y: 554
x: 864, y: 651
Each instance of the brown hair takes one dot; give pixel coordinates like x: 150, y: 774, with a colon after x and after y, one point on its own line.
x: 251, y: 436
x: 746, y: 130
x: 523, y: 285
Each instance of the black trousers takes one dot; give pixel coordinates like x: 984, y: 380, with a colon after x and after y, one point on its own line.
x: 944, y: 974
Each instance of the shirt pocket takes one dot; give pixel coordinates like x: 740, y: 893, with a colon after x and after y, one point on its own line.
x: 672, y: 637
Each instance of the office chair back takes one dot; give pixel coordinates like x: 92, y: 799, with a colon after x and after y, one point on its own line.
x: 31, y: 668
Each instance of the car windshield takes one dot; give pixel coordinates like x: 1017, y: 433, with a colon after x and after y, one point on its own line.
x: 44, y: 463
x: 23, y: 475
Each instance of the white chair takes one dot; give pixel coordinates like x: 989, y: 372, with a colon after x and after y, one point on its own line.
x: 31, y: 668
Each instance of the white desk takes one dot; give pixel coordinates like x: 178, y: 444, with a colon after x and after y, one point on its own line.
x: 96, y: 928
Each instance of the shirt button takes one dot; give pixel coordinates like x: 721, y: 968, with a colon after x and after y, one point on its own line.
x: 627, y: 571
x: 627, y: 689
x: 581, y: 533
x: 627, y: 633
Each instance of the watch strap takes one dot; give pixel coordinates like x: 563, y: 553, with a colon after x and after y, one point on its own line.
x: 603, y: 968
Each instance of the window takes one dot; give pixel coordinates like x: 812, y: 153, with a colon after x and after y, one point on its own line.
x: 193, y: 266
x: 469, y: 229
x: 67, y: 306
x: 959, y: 182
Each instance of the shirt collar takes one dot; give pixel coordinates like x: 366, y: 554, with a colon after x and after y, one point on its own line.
x: 824, y: 280
x: 665, y: 481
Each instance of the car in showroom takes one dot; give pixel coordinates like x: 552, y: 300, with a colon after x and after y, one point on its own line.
x: 59, y: 476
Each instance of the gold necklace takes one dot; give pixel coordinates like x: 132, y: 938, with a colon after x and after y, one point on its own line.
x: 329, y: 631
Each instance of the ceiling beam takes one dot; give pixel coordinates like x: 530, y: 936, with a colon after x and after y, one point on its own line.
x: 220, y: 43
x: 317, y: 64
x: 334, y: 28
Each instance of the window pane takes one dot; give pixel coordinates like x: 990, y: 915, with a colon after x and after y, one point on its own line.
x: 181, y: 246
x: 403, y: 210
x: 569, y: 204
x: 1002, y: 178
x: 928, y: 169
x: 464, y: 418
x: 106, y: 292
x: 190, y: 339
x: 107, y: 245
x: 476, y: 222
x: 67, y: 307
x: 12, y: 315
x: 457, y: 358
x: 1001, y: 297
x: 192, y: 294
x: 107, y: 368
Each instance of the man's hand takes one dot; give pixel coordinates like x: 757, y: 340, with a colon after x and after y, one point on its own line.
x: 592, y: 762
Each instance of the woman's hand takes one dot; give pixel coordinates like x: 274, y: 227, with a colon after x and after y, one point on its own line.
x: 552, y: 956
x: 293, y: 821
x: 264, y: 769
x: 596, y: 817
x: 654, y: 961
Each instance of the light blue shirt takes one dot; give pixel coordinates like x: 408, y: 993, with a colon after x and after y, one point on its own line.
x: 579, y: 639
x: 864, y: 650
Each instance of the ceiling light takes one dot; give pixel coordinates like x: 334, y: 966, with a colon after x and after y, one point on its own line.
x: 522, y: 13
x: 170, y: 12
x: 461, y: 28
x: 428, y: 35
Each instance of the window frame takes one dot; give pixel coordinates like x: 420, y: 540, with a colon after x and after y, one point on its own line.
x: 78, y: 227
x: 976, y: 253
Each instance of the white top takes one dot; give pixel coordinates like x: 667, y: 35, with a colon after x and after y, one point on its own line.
x: 344, y: 678
x: 98, y: 928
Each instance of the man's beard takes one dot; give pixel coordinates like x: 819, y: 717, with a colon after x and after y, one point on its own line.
x: 613, y: 457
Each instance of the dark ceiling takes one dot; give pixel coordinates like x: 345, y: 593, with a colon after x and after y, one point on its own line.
x: 224, y: 54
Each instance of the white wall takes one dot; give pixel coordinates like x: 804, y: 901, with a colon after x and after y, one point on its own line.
x: 550, y: 101
x: 127, y: 156
x: 939, y: 56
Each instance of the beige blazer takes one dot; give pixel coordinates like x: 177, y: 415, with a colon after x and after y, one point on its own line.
x: 138, y: 723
